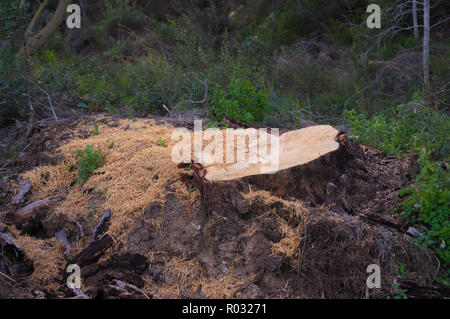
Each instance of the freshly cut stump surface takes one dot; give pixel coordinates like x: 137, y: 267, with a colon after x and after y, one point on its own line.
x: 309, y: 160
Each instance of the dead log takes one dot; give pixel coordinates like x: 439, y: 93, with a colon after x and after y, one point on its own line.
x: 386, y: 220
x: 414, y: 291
x: 93, y: 252
x: 309, y: 159
x: 102, y: 226
x: 25, y: 214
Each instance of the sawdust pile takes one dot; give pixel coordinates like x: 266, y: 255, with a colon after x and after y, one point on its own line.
x: 136, y: 170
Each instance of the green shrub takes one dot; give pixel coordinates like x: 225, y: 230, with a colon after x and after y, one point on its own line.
x: 239, y: 101
x: 428, y: 202
x: 119, y: 17
x: 409, y: 128
x: 88, y: 160
x: 403, y: 128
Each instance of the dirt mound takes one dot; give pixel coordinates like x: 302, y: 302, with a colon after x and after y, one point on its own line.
x: 282, y: 247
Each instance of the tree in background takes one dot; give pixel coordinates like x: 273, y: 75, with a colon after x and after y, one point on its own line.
x: 416, y: 28
x: 33, y: 43
x: 426, y: 43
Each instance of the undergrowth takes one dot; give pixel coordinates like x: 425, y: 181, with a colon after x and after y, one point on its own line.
x: 416, y: 128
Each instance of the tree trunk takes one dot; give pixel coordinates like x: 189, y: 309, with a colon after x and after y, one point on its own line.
x: 34, y: 43
x: 426, y: 43
x: 311, y: 163
x: 36, y: 16
x: 416, y: 28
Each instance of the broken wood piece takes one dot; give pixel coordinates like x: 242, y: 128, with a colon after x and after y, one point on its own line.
x: 62, y: 236
x: 414, y: 291
x: 25, y: 214
x: 7, y: 277
x: 93, y: 252
x: 19, y: 198
x: 102, y: 226
x: 128, y: 286
x: 414, y: 232
x: 80, y: 227
x: 385, y: 220
x: 79, y: 294
x: 7, y: 240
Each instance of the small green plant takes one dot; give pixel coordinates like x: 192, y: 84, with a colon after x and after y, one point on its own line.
x: 95, y: 132
x: 88, y: 160
x: 110, y: 143
x: 161, y: 143
x: 444, y: 279
x: 400, y: 272
x: 239, y: 101
x: 399, y: 293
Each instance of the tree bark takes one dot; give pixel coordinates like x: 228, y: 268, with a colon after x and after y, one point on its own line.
x: 416, y: 28
x: 426, y: 43
x: 35, y: 18
x: 35, y: 42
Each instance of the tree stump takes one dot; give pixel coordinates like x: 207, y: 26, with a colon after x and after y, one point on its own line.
x: 311, y: 163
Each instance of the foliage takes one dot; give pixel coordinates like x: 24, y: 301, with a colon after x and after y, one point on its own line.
x: 161, y: 143
x: 403, y: 128
x: 428, y: 202
x: 408, y: 128
x: 88, y: 160
x: 119, y: 16
x: 12, y: 84
x: 240, y: 101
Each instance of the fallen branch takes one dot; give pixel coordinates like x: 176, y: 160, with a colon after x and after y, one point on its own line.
x: 385, y: 220
x: 167, y: 109
x: 7, y: 277
x: 414, y: 291
x: 25, y: 214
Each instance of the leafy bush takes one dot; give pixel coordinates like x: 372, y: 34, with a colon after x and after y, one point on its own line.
x: 239, y: 101
x: 408, y: 128
x: 403, y: 128
x: 119, y: 17
x: 429, y: 203
x: 88, y: 160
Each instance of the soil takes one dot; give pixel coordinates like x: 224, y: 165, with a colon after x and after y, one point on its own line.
x: 316, y: 243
